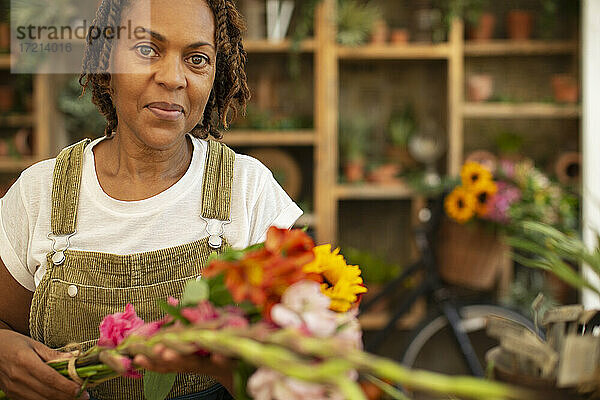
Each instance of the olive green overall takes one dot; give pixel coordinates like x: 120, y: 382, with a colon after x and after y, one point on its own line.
x: 81, y: 287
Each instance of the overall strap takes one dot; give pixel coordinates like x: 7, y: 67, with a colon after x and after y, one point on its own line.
x: 218, y: 177
x: 65, y: 188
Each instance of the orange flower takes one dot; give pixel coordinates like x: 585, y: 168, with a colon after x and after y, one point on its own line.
x: 262, y: 275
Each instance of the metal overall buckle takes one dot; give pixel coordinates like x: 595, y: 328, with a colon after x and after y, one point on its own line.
x: 59, y: 251
x: 215, y: 229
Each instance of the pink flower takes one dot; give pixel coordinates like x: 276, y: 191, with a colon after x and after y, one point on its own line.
x: 130, y: 371
x: 116, y: 327
x: 172, y: 301
x: 235, y: 321
x: 499, y: 204
x: 203, y: 312
x: 266, y: 384
x: 149, y: 329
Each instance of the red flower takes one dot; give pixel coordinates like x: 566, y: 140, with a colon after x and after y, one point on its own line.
x: 262, y: 275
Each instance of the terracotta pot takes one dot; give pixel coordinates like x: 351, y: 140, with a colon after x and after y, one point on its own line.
x: 565, y: 88
x: 354, y: 171
x: 400, y: 155
x: 4, y: 36
x: 7, y: 97
x: 568, y: 168
x: 484, y: 30
x: 400, y: 36
x: 385, y: 174
x: 379, y: 34
x: 519, y: 24
x: 480, y: 87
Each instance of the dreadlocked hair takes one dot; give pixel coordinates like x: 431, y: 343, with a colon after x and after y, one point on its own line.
x: 230, y: 90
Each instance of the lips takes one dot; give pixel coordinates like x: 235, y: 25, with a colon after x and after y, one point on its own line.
x: 166, y: 111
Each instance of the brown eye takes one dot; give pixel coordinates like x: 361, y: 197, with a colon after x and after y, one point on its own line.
x: 198, y: 60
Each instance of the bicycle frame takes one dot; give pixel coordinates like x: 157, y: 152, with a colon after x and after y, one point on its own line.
x: 430, y: 286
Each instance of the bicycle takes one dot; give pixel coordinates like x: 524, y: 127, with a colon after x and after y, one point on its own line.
x: 453, y: 331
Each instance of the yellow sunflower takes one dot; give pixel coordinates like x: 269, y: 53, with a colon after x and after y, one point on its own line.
x: 341, y: 282
x: 483, y: 192
x: 460, y: 204
x: 472, y: 173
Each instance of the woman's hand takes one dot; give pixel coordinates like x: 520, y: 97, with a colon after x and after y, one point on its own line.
x: 166, y: 360
x: 24, y: 373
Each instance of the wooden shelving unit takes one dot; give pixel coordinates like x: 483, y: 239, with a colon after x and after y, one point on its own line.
x: 328, y: 60
x: 371, y: 192
x: 9, y: 164
x: 394, y: 52
x: 521, y: 48
x: 270, y: 138
x: 283, y: 46
x: 520, y: 110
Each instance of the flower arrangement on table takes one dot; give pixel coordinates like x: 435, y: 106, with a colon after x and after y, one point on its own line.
x: 287, y: 310
x: 518, y: 192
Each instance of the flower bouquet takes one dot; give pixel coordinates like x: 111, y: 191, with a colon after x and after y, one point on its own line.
x: 286, y: 311
x: 487, y: 205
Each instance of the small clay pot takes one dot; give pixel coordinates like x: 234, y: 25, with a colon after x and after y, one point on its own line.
x: 565, y: 88
x: 400, y: 36
x: 480, y: 87
x: 7, y: 97
x: 380, y: 32
x: 354, y: 170
x: 519, y: 24
x: 484, y: 30
x: 385, y: 174
x: 4, y: 36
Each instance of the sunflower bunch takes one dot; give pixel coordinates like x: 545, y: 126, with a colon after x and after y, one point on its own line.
x: 474, y: 196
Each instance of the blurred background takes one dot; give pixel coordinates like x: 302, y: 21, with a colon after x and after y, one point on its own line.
x: 364, y: 109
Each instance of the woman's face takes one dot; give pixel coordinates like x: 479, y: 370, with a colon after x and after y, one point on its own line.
x: 162, y: 75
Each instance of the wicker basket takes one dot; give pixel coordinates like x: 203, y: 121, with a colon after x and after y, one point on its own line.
x: 471, y: 255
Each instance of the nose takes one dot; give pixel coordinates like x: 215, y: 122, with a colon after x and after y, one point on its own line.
x: 170, y: 73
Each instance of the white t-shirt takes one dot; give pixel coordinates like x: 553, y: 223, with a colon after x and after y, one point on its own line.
x: 104, y: 224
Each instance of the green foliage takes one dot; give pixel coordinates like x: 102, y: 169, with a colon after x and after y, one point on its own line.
x: 354, y: 135
x: 81, y: 115
x: 241, y: 374
x: 544, y: 247
x: 355, y: 21
x: 402, y: 125
x: 374, y: 269
x: 467, y: 10
x: 194, y: 292
x: 509, y: 142
x: 157, y: 386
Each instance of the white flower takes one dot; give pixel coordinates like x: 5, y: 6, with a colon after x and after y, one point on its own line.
x: 266, y: 384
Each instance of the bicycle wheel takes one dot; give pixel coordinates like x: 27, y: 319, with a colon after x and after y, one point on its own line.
x: 433, y: 346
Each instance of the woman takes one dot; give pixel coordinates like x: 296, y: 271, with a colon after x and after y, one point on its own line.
x: 132, y: 216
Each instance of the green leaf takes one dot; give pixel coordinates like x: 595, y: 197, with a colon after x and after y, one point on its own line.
x: 157, y: 386
x: 219, y: 294
x: 241, y: 374
x: 195, y: 291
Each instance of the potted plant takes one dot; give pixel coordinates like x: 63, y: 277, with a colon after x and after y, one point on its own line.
x: 353, y: 145
x: 519, y: 23
x: 401, y: 127
x: 480, y: 23
x: 480, y: 87
x: 565, y: 88
x: 357, y: 20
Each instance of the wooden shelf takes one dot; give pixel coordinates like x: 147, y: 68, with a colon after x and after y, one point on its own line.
x: 521, y: 110
x: 283, y: 46
x: 17, y: 120
x: 4, y: 61
x: 269, y: 138
x: 525, y: 47
x: 373, y: 192
x: 9, y: 164
x: 394, y: 52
